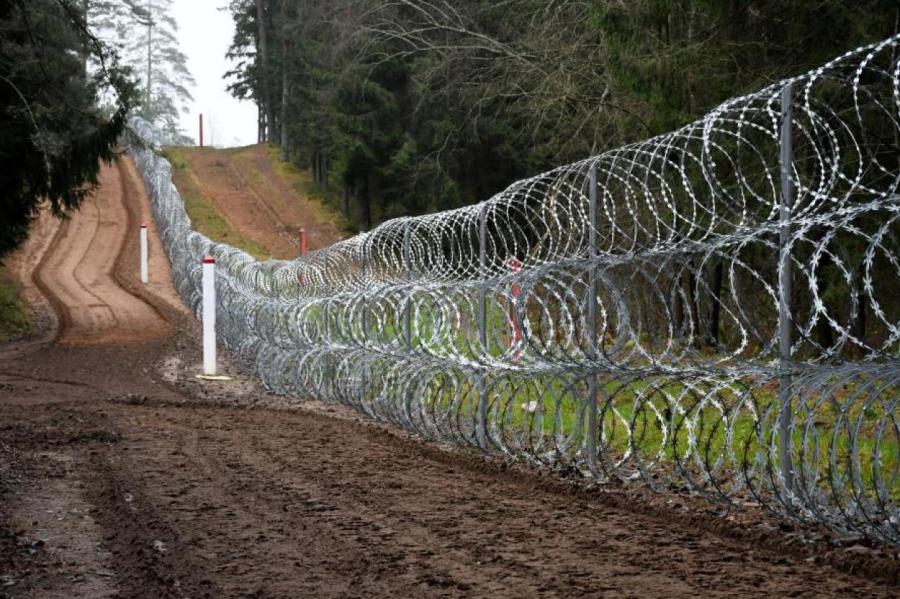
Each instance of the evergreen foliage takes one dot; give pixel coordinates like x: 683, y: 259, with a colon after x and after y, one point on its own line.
x: 146, y: 34
x: 412, y: 106
x: 53, y: 133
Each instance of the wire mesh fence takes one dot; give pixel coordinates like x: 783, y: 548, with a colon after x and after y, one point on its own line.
x: 716, y: 308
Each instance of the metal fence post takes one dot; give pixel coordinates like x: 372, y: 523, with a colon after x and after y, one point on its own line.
x: 784, y: 289
x: 365, y: 320
x: 481, y: 430
x: 407, y: 265
x: 590, y: 445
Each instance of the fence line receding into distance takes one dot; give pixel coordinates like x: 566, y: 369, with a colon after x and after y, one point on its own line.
x: 716, y: 309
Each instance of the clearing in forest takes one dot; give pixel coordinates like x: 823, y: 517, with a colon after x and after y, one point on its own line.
x: 249, y: 198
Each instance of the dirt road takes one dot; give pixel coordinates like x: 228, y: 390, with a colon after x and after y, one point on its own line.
x: 121, y: 475
x: 77, y: 270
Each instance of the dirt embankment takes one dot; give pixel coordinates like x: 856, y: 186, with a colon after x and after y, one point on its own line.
x: 259, y: 198
x: 121, y: 475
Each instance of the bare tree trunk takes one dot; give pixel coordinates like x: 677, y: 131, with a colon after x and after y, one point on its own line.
x: 149, y: 57
x: 694, y: 302
x: 264, y: 68
x: 366, y: 203
x: 715, y: 305
x: 323, y: 170
x: 260, y: 123
x: 285, y: 141
x: 85, y: 49
x: 678, y: 305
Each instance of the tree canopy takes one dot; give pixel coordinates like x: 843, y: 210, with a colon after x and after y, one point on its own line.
x: 411, y: 106
x: 146, y: 35
x: 56, y: 122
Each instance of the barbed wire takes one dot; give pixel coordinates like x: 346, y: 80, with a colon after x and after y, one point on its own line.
x: 716, y: 309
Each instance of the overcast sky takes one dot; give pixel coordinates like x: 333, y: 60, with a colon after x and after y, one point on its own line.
x: 205, y: 33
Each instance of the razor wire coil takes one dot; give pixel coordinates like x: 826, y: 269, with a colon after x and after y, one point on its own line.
x: 624, y: 314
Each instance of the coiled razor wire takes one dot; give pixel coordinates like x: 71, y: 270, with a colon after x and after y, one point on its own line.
x: 715, y: 309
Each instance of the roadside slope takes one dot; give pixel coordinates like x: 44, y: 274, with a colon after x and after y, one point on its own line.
x: 260, y: 202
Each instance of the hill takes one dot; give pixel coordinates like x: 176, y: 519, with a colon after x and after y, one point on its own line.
x: 249, y: 198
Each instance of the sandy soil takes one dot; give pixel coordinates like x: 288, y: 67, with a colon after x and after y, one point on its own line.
x: 77, y: 270
x: 257, y: 202
x: 122, y: 475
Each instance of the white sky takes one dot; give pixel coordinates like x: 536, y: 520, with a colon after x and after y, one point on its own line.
x: 204, y: 34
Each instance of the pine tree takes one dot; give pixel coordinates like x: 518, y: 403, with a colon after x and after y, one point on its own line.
x: 53, y: 133
x: 152, y: 51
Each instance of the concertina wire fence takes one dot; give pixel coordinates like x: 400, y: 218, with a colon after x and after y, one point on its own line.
x: 715, y: 310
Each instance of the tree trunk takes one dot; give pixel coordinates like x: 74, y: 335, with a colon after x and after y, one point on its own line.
x: 323, y: 170
x: 85, y: 49
x: 149, y: 58
x: 694, y: 303
x: 366, y: 203
x: 285, y: 142
x: 264, y: 68
x: 283, y: 117
x: 715, y: 305
x: 678, y: 306
x: 858, y: 326
x: 260, y: 124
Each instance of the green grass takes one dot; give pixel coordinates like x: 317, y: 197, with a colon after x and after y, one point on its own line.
x: 15, y: 316
x: 325, y: 202
x: 205, y: 218
x: 643, y: 405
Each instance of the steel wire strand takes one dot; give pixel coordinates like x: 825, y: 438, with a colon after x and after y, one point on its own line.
x: 623, y: 315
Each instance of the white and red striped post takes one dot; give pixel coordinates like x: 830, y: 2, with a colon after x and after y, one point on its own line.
x: 209, y: 316
x: 145, y: 270
x: 303, y: 242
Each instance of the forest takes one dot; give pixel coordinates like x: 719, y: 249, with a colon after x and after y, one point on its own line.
x: 405, y: 107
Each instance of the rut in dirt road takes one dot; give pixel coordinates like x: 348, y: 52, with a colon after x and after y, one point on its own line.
x: 121, y: 475
x: 77, y: 273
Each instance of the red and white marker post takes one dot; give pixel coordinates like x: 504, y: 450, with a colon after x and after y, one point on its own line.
x: 303, y: 242
x: 209, y: 316
x: 145, y: 270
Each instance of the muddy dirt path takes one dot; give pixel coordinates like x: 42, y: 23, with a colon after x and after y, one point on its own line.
x: 121, y: 475
x: 77, y: 273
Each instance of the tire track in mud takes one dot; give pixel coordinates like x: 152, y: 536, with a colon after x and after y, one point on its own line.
x: 176, y: 499
x: 77, y: 273
x: 308, y: 505
x: 95, y: 321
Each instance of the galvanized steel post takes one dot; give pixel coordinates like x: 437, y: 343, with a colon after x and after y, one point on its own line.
x: 590, y: 445
x: 481, y: 427
x: 784, y: 289
x: 407, y: 265
x: 364, y: 320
